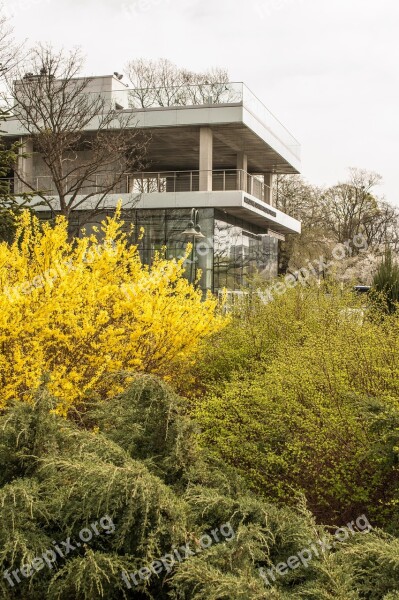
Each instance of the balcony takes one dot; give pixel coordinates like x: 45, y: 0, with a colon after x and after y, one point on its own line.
x: 150, y: 182
x: 219, y: 104
x: 231, y: 93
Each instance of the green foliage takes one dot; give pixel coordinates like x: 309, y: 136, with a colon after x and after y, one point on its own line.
x: 149, y: 422
x: 386, y: 282
x: 59, y: 477
x: 302, y: 394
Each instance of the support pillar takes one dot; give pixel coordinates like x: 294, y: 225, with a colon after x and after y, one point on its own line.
x: 205, y: 159
x: 268, y: 179
x: 242, y: 169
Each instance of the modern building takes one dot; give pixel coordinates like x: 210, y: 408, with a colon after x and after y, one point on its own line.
x: 215, y: 151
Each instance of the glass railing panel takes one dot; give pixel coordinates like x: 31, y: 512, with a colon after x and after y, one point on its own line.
x: 183, y: 95
x: 268, y: 120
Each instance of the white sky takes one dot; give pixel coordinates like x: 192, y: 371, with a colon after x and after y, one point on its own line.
x: 328, y: 69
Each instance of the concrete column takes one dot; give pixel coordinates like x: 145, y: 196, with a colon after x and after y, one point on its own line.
x: 242, y: 169
x: 268, y: 179
x: 205, y: 159
x: 25, y: 165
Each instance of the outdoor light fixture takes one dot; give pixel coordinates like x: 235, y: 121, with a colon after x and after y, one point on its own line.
x: 193, y: 230
x: 192, y: 234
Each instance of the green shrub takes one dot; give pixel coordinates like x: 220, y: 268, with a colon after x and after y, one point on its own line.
x: 59, y: 477
x: 299, y: 394
x: 386, y: 283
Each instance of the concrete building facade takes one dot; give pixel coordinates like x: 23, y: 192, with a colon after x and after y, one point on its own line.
x: 213, y: 153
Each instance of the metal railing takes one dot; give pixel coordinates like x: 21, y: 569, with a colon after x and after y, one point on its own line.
x: 155, y: 182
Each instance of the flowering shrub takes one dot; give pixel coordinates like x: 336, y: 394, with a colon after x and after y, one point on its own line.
x: 80, y: 312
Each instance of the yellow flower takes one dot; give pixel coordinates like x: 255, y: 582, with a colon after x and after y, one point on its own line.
x: 82, y: 313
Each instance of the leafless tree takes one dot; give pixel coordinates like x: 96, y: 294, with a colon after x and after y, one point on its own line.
x: 162, y: 83
x: 353, y: 207
x: 85, y: 143
x: 350, y: 203
x: 334, y: 216
x: 303, y: 201
x: 9, y: 51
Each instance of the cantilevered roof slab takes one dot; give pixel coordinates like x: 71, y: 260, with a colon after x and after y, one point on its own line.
x: 240, y: 123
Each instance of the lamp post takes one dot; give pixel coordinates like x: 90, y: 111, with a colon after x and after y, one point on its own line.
x: 192, y: 234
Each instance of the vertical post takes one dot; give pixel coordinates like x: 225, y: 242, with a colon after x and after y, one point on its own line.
x: 268, y: 179
x: 251, y: 185
x: 242, y: 168
x: 25, y: 165
x: 205, y: 159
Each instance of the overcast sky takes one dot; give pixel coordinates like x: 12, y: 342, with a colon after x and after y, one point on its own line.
x: 328, y: 69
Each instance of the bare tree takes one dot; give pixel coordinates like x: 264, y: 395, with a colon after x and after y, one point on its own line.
x: 350, y: 203
x: 353, y: 208
x: 334, y: 216
x: 381, y: 228
x: 9, y: 51
x: 303, y: 201
x: 10, y: 203
x: 162, y: 83
x: 85, y: 143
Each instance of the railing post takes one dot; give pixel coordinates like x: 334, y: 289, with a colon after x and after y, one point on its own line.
x: 251, y: 185
x: 268, y: 181
x: 242, y: 166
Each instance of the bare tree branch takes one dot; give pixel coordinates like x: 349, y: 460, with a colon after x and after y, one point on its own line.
x: 162, y: 83
x: 86, y: 144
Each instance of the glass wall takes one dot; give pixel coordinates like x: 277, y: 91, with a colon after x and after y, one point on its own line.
x: 163, y: 228
x: 231, y: 252
x: 241, y: 250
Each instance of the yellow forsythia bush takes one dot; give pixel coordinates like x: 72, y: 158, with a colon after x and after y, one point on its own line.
x: 81, y: 312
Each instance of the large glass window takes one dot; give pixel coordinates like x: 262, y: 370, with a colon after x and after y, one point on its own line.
x: 163, y: 232
x: 241, y: 249
x: 232, y: 251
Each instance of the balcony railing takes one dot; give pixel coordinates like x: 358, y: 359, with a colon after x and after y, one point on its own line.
x: 156, y: 182
x: 210, y: 94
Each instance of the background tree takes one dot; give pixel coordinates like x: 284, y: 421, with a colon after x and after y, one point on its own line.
x: 161, y: 83
x: 85, y: 143
x: 334, y: 216
x: 352, y: 204
x: 301, y: 200
x: 10, y: 203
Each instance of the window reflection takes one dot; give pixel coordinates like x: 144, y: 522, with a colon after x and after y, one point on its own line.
x: 241, y: 249
x: 233, y: 250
